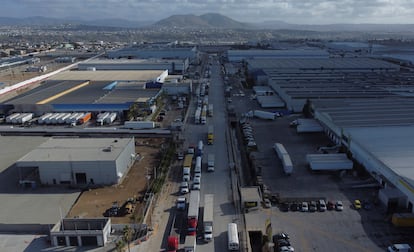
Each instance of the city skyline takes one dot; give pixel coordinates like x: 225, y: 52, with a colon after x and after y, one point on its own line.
x: 292, y: 11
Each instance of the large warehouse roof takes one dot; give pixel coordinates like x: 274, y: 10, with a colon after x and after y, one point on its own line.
x: 331, y: 63
x: 77, y: 149
x: 143, y: 75
x: 393, y: 146
x: 238, y: 55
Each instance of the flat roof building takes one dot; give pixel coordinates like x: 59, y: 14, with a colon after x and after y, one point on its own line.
x: 239, y: 55
x: 174, y: 66
x: 81, y: 161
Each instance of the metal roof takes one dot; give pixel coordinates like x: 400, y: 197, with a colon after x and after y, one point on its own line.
x: 316, y: 63
x: 131, y: 75
x: 393, y: 146
x: 77, y: 149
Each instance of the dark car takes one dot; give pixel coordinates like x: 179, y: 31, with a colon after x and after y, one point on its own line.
x: 284, y: 207
x: 330, y: 205
x: 312, y: 206
x: 294, y: 207
x: 282, y: 243
x: 367, y: 205
x: 279, y: 236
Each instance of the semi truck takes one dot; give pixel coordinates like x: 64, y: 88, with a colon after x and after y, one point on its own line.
x: 197, y: 168
x: 85, y: 118
x: 172, y: 243
x: 190, y: 243
x: 210, y: 135
x: 203, y: 117
x: 197, y: 116
x: 208, y: 217
x: 284, y: 157
x: 192, y: 217
x: 210, y: 110
x: 199, y: 150
x: 188, y: 160
x: 210, y: 162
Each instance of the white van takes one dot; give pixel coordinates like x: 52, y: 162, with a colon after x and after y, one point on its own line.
x: 399, y: 248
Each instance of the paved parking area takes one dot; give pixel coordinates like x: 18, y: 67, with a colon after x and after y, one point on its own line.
x: 349, y: 230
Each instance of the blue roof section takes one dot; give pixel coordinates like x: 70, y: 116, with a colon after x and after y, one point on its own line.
x: 91, y: 107
x: 111, y: 86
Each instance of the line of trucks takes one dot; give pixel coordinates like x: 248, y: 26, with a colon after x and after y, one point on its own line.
x: 192, y: 221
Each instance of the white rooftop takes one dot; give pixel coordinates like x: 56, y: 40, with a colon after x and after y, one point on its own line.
x: 77, y: 149
x: 393, y: 146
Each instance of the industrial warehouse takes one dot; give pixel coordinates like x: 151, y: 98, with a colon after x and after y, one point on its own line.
x: 80, y: 161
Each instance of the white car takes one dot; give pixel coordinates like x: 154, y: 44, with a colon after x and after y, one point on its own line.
x: 339, y: 206
x: 304, y: 206
x: 197, y: 183
x: 184, y: 187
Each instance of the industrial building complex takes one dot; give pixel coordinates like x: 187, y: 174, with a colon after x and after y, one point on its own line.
x: 363, y: 104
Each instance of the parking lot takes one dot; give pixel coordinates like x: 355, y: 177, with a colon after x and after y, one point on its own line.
x: 347, y: 230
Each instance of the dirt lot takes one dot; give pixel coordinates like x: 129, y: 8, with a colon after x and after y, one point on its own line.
x: 95, y: 202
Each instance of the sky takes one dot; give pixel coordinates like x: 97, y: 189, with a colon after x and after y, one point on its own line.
x: 292, y: 11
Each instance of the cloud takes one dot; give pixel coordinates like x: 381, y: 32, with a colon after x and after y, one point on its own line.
x: 294, y: 11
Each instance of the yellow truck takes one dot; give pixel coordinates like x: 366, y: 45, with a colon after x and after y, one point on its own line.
x: 210, y: 135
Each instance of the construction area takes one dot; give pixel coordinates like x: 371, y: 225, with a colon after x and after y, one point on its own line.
x: 98, y: 202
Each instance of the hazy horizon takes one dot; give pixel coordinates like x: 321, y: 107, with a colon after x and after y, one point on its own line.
x: 253, y: 11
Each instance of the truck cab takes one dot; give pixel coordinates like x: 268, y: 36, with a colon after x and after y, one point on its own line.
x: 172, y: 244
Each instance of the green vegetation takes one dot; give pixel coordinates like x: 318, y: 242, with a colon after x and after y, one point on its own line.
x: 162, y: 170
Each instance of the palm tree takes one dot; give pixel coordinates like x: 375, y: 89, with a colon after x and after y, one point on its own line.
x: 128, y: 234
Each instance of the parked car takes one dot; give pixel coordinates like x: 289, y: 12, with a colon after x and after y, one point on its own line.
x: 312, y: 206
x: 294, y: 207
x: 284, y: 207
x: 339, y: 206
x: 330, y: 205
x: 322, y: 205
x: 305, y: 206
x: 357, y: 204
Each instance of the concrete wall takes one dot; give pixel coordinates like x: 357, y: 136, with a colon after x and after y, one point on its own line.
x: 126, y: 159
x: 102, y: 172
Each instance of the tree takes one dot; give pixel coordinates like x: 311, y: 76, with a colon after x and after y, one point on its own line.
x: 307, y: 109
x: 128, y: 234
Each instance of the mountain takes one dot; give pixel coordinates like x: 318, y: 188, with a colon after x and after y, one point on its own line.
x: 209, y: 20
x: 278, y: 25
